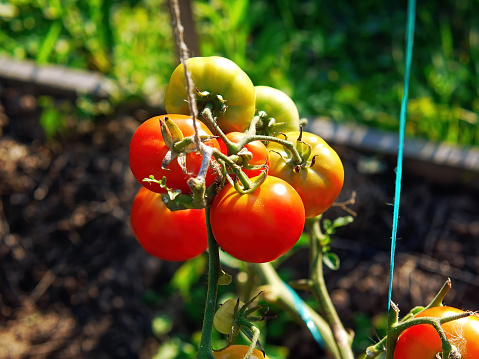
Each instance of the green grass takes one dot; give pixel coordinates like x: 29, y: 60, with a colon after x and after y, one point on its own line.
x: 342, y: 60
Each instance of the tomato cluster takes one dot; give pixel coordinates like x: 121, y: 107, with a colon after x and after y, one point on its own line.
x: 262, y: 174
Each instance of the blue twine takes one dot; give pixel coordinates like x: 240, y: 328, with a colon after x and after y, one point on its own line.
x: 305, y: 315
x: 411, y: 14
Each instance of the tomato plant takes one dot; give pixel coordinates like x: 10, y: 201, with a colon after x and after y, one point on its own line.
x: 172, y: 236
x: 279, y: 106
x: 257, y: 148
x: 238, y: 352
x: 260, y: 226
x: 224, y: 316
x: 221, y: 83
x: 148, y: 149
x: 422, y: 341
x: 318, y: 180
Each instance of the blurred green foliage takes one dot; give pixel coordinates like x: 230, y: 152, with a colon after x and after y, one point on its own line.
x: 342, y: 60
x: 128, y: 40
x: 178, y: 332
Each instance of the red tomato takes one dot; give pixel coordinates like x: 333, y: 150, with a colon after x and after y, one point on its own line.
x: 238, y: 352
x: 257, y: 148
x: 172, y: 236
x: 258, y: 227
x: 147, y: 150
x: 319, y: 184
x: 422, y: 341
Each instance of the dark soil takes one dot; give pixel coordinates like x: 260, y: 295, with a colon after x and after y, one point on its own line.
x: 72, y: 276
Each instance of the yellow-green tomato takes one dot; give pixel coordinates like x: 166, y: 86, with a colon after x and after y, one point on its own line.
x: 278, y: 105
x: 225, y: 316
x: 234, y: 108
x: 238, y: 352
x: 319, y: 181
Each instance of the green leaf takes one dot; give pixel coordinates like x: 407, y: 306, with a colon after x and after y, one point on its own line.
x: 342, y: 221
x: 188, y: 274
x: 51, y: 118
x: 303, y: 241
x: 327, y: 225
x: 49, y: 42
x: 175, y: 349
x: 224, y: 278
x: 331, y: 260
x: 238, y: 11
x: 161, y: 325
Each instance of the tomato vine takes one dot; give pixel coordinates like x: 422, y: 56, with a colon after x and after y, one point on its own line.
x: 254, y: 203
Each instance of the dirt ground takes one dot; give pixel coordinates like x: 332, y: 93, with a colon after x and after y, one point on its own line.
x: 72, y: 274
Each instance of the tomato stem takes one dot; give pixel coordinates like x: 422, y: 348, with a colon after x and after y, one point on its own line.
x: 210, y: 122
x: 290, y: 146
x: 437, y: 301
x: 318, y: 285
x: 241, y: 176
x: 205, y: 350
x: 277, y: 292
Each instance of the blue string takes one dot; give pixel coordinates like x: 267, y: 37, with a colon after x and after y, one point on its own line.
x: 305, y: 315
x: 411, y: 14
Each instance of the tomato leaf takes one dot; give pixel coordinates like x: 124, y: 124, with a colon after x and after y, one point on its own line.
x: 327, y: 225
x: 342, y: 221
x: 331, y: 260
x: 224, y: 278
x: 161, y: 325
x: 188, y: 274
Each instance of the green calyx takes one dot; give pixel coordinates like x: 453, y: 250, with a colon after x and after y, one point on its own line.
x: 216, y: 103
x: 301, y: 157
x: 253, y: 186
x: 178, y: 145
x: 267, y: 125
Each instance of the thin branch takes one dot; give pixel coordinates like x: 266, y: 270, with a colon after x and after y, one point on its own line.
x: 184, y: 55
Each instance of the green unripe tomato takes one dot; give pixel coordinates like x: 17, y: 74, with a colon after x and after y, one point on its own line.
x: 225, y: 316
x: 278, y: 105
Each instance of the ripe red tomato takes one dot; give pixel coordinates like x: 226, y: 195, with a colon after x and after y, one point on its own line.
x: 278, y: 105
x: 218, y: 76
x: 147, y: 150
x: 258, y: 227
x: 238, y: 352
x: 172, y: 236
x: 422, y: 341
x: 318, y: 185
x: 257, y: 148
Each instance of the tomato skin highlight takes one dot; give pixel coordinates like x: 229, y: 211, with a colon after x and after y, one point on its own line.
x: 238, y: 352
x: 422, y: 341
x: 148, y: 148
x: 219, y: 76
x: 258, y: 227
x: 319, y: 185
x: 257, y: 148
x: 163, y: 233
x: 279, y: 105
